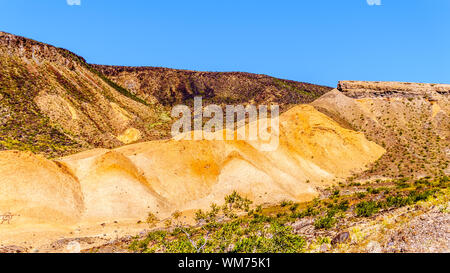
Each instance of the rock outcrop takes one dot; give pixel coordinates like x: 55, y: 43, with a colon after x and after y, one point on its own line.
x: 364, y: 89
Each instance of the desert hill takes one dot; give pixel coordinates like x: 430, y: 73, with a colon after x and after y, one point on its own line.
x: 410, y: 120
x: 54, y: 103
x: 175, y: 86
x: 167, y: 175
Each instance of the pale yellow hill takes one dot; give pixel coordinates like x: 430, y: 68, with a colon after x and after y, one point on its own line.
x: 38, y: 190
x: 163, y: 176
x: 113, y: 188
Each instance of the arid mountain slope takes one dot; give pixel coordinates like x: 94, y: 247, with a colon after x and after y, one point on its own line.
x: 172, y: 86
x: 164, y: 176
x: 53, y: 103
x: 412, y: 121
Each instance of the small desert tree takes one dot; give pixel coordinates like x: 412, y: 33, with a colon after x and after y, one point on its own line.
x: 152, y: 220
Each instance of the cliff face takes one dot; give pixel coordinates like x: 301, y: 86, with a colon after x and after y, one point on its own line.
x: 362, y: 89
x: 171, y: 86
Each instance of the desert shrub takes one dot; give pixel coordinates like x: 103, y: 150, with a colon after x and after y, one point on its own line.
x: 323, y: 240
x: 286, y: 203
x: 281, y: 214
x: 236, y: 201
x: 182, y: 245
x: 443, y: 182
x: 395, y: 201
x: 416, y: 196
x: 258, y: 209
x: 373, y: 190
x: 309, y: 211
x: 176, y: 214
x: 153, y: 238
x: 335, y: 193
x: 361, y: 195
x: 260, y: 232
x: 200, y: 216
x: 259, y: 218
x: 343, y: 205
x: 279, y: 239
x: 152, y: 220
x: 294, y: 207
x: 402, y: 183
x: 325, y: 222
x: 366, y: 208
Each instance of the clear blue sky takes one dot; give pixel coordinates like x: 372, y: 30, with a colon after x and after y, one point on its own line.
x: 317, y: 41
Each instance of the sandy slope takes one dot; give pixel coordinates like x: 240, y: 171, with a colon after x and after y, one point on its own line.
x: 127, y: 183
x: 38, y: 190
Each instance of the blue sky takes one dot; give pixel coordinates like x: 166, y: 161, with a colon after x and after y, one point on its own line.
x: 317, y: 41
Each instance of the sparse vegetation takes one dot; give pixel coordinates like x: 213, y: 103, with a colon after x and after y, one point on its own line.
x: 366, y: 208
x: 229, y: 228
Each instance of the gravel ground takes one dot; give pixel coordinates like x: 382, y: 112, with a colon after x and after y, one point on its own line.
x: 428, y: 232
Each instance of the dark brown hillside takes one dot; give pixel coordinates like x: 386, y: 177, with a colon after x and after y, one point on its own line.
x: 172, y: 86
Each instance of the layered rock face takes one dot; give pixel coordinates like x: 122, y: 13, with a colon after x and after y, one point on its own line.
x: 364, y: 89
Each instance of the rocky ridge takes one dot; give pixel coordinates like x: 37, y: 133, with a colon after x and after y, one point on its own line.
x: 173, y: 86
x: 364, y: 89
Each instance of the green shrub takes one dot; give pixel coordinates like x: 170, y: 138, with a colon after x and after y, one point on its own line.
x: 325, y: 222
x: 286, y: 203
x: 335, y: 193
x: 152, y: 219
x: 402, y: 183
x: 343, y: 205
x: 416, y: 196
x: 294, y: 207
x: 396, y: 201
x: 366, y: 208
x: 373, y: 190
x: 361, y: 195
x: 309, y: 211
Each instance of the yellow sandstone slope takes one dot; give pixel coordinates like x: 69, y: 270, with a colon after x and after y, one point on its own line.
x: 163, y: 176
